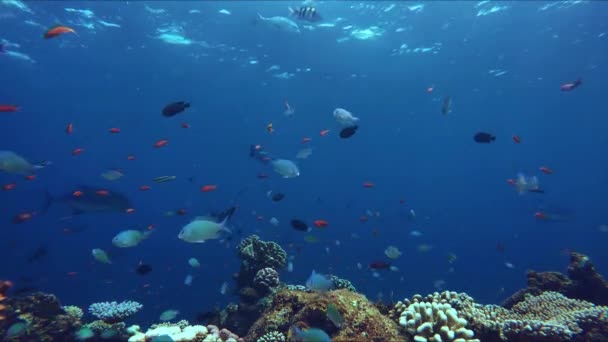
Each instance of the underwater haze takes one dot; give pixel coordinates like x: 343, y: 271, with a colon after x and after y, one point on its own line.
x: 83, y: 108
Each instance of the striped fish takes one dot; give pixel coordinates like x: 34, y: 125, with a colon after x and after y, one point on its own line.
x: 306, y: 13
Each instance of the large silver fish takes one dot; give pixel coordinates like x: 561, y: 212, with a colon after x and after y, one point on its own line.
x: 281, y: 23
x: 91, y: 200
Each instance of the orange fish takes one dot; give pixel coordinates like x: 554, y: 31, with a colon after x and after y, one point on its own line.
x: 368, y: 185
x: 539, y: 215
x: 130, y: 211
x: 208, y: 188
x: 71, y: 274
x: 30, y: 177
x: 512, y: 181
x: 516, y: 139
x: 260, y: 218
x: 363, y: 218
x: 546, y: 170
x: 324, y: 132
x: 161, y: 143
x: 152, y: 226
x: 114, y: 130
x: 69, y: 128
x: 8, y: 108
x: 185, y: 125
x: 77, y: 151
x: 270, y: 128
x: 10, y: 186
x: 262, y: 175
x: 430, y: 89
x: 306, y: 140
x: 320, y: 223
x: 131, y: 157
x: 77, y: 193
x: 57, y: 31
x: 23, y: 216
x: 102, y: 193
x: 145, y: 188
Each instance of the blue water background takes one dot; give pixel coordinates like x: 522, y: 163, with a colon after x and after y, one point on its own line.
x: 123, y: 77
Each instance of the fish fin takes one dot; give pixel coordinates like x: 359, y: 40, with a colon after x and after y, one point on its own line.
x: 291, y: 10
x: 48, y: 200
x: 77, y: 211
x: 260, y: 17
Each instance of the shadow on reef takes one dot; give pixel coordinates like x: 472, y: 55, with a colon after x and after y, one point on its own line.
x: 554, y: 308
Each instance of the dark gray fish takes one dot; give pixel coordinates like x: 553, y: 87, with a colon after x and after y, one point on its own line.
x: 446, y: 106
x: 484, y: 138
x: 90, y: 201
x: 306, y: 13
x: 299, y: 225
x: 348, y: 132
x: 38, y: 254
x: 143, y: 269
x: 277, y: 197
x: 175, y: 108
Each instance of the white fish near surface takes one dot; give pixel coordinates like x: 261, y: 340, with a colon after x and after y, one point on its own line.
x: 281, y: 23
x: 285, y: 168
x: 11, y: 162
x: 345, y: 118
x: 202, y: 229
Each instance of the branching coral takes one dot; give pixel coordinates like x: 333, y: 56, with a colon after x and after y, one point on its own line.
x: 113, y: 312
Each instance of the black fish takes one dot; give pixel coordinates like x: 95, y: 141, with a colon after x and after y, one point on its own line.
x: 175, y: 108
x: 446, y: 106
x: 225, y: 214
x: 90, y: 200
x: 348, y: 132
x: 143, y: 269
x: 307, y: 13
x: 277, y: 197
x: 38, y: 254
x: 299, y: 225
x: 484, y: 138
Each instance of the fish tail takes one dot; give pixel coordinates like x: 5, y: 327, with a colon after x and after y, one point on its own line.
x: 48, y: 200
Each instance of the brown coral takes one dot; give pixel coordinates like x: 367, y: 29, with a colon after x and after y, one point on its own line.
x: 362, y: 320
x: 582, y: 282
x: 45, y: 318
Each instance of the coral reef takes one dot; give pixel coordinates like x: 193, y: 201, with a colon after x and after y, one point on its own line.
x: 340, y: 283
x: 4, y: 287
x: 114, y: 312
x: 266, y: 279
x: 102, y: 328
x: 183, y: 331
x: 549, y: 317
x: 42, y: 317
x: 432, y: 319
x: 255, y: 255
x: 73, y: 311
x: 362, y: 320
x: 582, y: 282
x: 272, y: 336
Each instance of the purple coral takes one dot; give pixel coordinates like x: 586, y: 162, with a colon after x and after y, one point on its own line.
x: 266, y: 279
x: 113, y: 312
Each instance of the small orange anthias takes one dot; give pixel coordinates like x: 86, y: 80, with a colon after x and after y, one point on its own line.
x: 4, y: 286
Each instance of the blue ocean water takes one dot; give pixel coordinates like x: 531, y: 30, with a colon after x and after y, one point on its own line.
x: 502, y: 64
